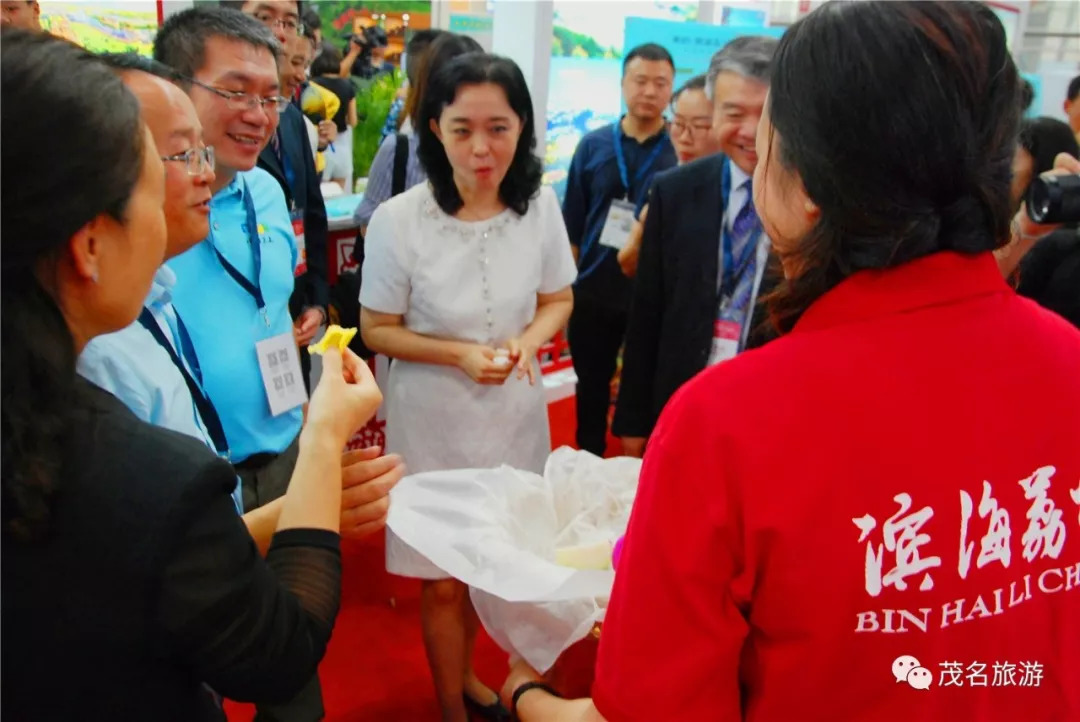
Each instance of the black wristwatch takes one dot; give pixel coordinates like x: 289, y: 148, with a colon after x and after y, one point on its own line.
x: 525, y: 688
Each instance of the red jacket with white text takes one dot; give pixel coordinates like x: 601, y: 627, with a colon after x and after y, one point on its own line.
x: 875, y: 517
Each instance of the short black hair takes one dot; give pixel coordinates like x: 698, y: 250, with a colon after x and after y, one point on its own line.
x: 239, y: 5
x: 121, y: 62
x: 1074, y: 89
x: 421, y: 39
x: 648, y: 51
x: 695, y: 83
x: 327, y: 62
x: 418, y: 43
x: 181, y: 41
x: 522, y: 181
x: 1044, y: 138
x: 311, y: 19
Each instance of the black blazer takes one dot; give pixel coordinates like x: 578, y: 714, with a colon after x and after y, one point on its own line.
x: 669, y: 334
x: 312, y: 288
x: 149, y: 585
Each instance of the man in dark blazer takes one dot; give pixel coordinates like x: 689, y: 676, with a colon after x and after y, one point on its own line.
x: 288, y: 157
x: 682, y: 294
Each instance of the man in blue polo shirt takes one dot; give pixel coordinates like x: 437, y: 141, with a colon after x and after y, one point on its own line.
x: 610, y: 174
x: 234, y: 287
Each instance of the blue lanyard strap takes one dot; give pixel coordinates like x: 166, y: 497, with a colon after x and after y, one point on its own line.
x: 255, y: 243
x: 733, y: 269
x: 202, y: 403
x: 643, y: 169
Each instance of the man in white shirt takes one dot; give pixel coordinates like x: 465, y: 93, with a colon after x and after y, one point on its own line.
x: 151, y: 365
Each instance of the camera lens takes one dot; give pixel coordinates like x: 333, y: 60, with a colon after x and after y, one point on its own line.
x: 1054, y: 199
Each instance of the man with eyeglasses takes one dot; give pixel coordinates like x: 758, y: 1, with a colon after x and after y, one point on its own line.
x: 701, y: 270
x: 691, y: 133
x: 233, y: 289
x: 148, y: 365
x: 288, y: 157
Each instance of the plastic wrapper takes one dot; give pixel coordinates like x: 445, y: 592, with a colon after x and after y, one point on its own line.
x: 498, y: 530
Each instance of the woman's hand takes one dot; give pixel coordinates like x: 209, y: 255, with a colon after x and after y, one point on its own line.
x: 484, y: 365
x: 366, y: 481
x: 345, y: 399
x: 522, y: 354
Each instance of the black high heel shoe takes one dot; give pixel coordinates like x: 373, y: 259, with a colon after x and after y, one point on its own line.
x: 495, y: 712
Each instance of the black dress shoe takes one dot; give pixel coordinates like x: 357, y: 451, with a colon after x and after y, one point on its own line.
x: 494, y: 711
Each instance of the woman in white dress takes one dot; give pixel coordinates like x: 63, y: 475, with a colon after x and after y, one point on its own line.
x: 464, y: 278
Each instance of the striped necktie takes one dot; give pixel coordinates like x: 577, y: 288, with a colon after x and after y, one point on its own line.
x: 744, y: 223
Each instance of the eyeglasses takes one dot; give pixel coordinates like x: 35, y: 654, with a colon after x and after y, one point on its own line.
x: 680, y: 126
x: 196, y: 161
x: 289, y: 25
x: 236, y: 100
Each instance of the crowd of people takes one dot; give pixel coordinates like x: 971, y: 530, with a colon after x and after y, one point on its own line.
x: 839, y: 326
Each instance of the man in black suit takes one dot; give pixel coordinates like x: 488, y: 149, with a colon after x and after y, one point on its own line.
x: 289, y: 158
x: 701, y: 272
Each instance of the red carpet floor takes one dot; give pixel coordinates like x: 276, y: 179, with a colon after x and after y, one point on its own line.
x: 375, y: 669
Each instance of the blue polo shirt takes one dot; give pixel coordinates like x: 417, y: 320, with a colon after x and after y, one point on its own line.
x: 223, y: 318
x: 593, y: 182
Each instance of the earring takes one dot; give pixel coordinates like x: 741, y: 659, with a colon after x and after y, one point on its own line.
x: 809, y: 206
x: 94, y: 276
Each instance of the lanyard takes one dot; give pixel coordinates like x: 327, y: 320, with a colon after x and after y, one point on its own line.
x: 203, y: 404
x: 734, y: 269
x: 256, y: 249
x: 620, y: 159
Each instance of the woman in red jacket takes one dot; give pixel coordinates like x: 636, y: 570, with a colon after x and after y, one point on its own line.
x: 875, y: 516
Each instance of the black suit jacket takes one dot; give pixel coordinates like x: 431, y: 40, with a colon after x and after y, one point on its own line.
x: 675, y: 299
x: 312, y: 288
x: 148, y: 586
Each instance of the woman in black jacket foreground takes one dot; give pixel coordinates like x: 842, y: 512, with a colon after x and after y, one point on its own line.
x: 131, y: 587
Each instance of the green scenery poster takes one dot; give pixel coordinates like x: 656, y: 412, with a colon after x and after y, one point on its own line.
x: 111, y: 27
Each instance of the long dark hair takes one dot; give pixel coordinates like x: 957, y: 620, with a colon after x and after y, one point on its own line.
x: 901, y: 120
x: 88, y: 166
x: 522, y: 181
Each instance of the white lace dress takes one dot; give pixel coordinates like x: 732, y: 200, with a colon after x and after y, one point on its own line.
x: 465, y: 281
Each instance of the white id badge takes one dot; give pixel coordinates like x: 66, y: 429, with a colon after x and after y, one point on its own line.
x: 725, y: 341
x: 620, y: 219
x: 279, y: 363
